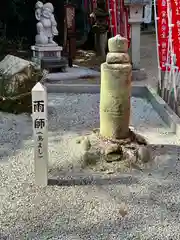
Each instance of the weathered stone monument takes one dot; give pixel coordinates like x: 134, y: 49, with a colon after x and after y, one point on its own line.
x: 116, y: 75
x: 115, y: 141
x: 45, y: 47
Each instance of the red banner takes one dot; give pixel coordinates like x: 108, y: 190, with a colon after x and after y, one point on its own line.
x: 175, y: 5
x: 163, y: 33
x: 118, y: 15
x: 122, y: 19
x: 119, y: 18
x: 112, y: 8
x: 127, y: 26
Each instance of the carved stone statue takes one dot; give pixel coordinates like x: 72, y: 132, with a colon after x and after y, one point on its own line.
x: 47, y: 25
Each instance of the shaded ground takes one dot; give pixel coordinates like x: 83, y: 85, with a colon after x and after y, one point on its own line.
x: 88, y: 59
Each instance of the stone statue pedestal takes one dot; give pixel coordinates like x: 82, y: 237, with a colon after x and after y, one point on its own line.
x: 45, y: 50
x: 49, y: 50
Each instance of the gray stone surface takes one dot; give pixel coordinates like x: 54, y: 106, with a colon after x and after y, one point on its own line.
x: 54, y: 63
x: 17, y: 76
x: 12, y: 65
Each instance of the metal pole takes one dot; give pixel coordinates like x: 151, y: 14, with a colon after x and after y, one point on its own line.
x: 160, y: 79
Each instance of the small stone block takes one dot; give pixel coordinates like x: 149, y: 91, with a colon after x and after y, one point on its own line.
x: 143, y: 154
x: 53, y: 63
x: 45, y: 48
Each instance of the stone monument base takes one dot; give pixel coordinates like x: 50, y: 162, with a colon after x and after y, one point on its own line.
x: 54, y: 64
x: 41, y: 51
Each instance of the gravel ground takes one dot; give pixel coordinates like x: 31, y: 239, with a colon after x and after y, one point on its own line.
x: 89, y: 211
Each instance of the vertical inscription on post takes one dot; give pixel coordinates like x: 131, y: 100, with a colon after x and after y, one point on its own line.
x: 40, y: 131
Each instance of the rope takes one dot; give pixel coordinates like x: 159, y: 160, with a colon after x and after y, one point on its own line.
x: 14, y: 98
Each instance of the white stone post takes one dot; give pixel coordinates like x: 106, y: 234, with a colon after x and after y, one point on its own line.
x: 40, y: 131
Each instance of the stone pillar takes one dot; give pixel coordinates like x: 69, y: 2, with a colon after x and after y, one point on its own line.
x: 101, y: 44
x: 135, y: 19
x: 135, y: 44
x: 115, y: 92
x: 100, y: 27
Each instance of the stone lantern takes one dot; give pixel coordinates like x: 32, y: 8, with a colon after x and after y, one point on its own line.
x: 135, y: 19
x: 100, y: 27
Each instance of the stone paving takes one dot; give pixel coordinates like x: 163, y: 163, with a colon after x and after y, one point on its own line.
x: 149, y: 59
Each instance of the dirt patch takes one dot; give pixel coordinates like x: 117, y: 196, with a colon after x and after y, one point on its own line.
x: 88, y: 59
x: 108, y: 155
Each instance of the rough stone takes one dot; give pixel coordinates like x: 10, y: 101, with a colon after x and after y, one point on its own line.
x: 113, y: 158
x: 118, y: 44
x: 113, y: 148
x: 130, y: 154
x: 143, y: 154
x: 105, y: 155
x: 122, y: 68
x: 17, y: 78
x: 113, y: 58
x: 140, y: 139
x: 123, y: 209
x: 79, y: 139
x: 86, y: 144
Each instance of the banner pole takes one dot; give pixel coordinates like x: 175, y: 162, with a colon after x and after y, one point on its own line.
x: 160, y: 75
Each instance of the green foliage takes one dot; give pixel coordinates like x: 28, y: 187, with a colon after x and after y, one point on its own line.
x: 13, y: 9
x: 19, y: 41
x: 8, y: 46
x: 14, y: 15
